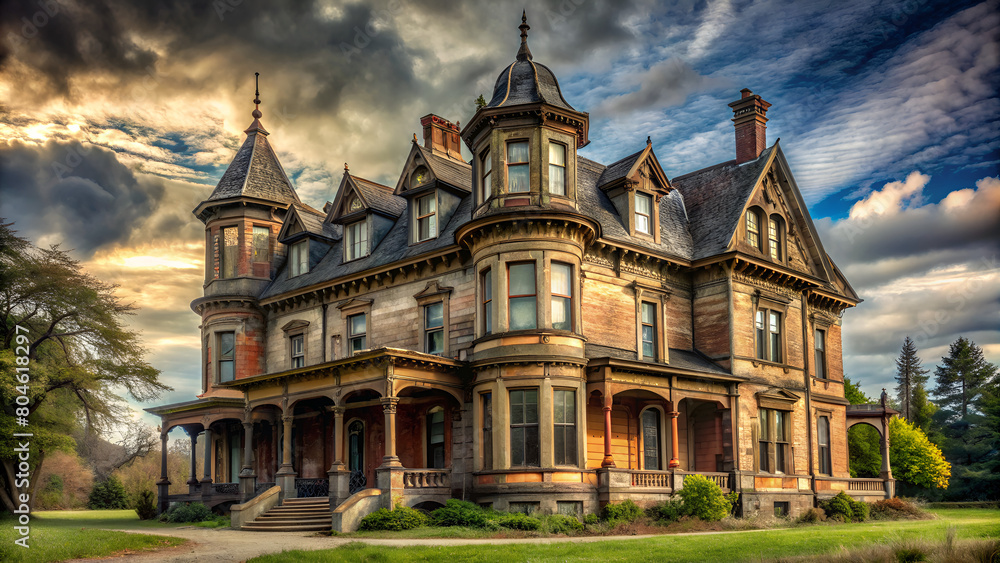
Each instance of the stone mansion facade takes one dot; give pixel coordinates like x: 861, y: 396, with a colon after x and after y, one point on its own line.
x: 530, y: 329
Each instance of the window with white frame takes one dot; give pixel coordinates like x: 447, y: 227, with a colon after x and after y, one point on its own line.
x: 557, y: 168
x: 356, y: 241
x: 426, y: 217
x: 518, y: 170
x: 357, y: 332
x: 299, y: 258
x: 649, y: 330
x: 298, y: 351
x: 643, y: 213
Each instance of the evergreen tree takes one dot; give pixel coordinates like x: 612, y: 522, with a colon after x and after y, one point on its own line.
x: 922, y: 410
x: 962, y: 375
x: 480, y: 102
x: 910, y: 376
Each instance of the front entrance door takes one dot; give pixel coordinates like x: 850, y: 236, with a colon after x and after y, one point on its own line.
x: 356, y: 455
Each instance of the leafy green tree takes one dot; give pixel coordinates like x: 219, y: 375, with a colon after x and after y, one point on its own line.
x: 864, y: 447
x: 71, y: 328
x: 480, y: 102
x: 854, y: 394
x: 914, y: 459
x: 962, y: 375
x: 910, y: 376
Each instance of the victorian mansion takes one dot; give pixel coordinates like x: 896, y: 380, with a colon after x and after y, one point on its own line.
x: 528, y: 330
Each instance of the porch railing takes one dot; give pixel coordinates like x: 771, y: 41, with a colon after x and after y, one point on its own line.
x: 865, y: 485
x: 651, y: 479
x: 312, y: 488
x: 720, y: 479
x: 261, y: 487
x: 426, y: 478
x: 852, y: 485
x: 225, y: 488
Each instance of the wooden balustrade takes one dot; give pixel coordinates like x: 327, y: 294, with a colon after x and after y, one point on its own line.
x: 653, y: 479
x: 426, y: 478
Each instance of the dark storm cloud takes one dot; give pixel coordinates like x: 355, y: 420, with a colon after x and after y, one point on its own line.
x: 80, y: 194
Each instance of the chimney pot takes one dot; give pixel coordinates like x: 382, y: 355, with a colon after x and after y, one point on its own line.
x: 441, y: 136
x: 746, y: 93
x: 750, y: 120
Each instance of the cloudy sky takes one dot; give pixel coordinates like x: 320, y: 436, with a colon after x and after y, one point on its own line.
x: 118, y: 117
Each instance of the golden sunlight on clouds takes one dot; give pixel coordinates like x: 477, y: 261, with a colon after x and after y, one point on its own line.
x: 157, y: 263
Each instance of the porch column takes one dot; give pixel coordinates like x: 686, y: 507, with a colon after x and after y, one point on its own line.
x: 609, y: 461
x: 674, y: 458
x: 340, y: 477
x: 193, y: 481
x: 286, y: 473
x: 248, y: 478
x: 206, y: 481
x: 163, y: 485
x: 721, y: 454
x: 886, y: 473
x: 389, y: 408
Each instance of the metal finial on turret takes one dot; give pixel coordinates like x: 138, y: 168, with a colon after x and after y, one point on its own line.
x: 649, y: 140
x: 256, y: 96
x: 346, y: 169
x: 524, y: 54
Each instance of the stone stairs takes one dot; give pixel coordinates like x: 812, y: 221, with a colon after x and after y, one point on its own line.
x: 295, y: 515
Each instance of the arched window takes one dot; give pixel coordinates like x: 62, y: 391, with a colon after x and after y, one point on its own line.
x: 823, y: 439
x: 775, y: 238
x: 435, y: 438
x: 753, y: 229
x: 651, y: 454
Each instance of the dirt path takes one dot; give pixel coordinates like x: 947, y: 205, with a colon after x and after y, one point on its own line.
x: 232, y: 545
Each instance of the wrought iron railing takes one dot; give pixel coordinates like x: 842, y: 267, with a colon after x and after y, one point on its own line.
x: 358, y: 481
x: 261, y: 487
x: 312, y: 488
x: 426, y: 478
x: 225, y: 488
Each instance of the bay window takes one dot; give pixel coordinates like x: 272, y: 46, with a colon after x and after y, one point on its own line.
x: 518, y: 170
x: 521, y: 296
x: 226, y: 356
x: 564, y: 431
x: 524, y: 445
x: 486, y: 179
x: 557, y: 169
x: 562, y: 296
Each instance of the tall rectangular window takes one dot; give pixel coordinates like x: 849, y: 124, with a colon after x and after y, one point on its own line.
x: 648, y: 330
x: 521, y: 296
x: 774, y: 239
x: 562, y: 296
x: 357, y: 332
x: 764, y: 439
x: 435, y: 438
x: 227, y: 356
x: 486, y: 181
x: 557, y: 169
x: 643, y: 213
x: 487, y: 444
x: 299, y: 258
x: 518, y: 172
x: 760, y: 335
x: 821, y: 354
x: 426, y: 217
x: 298, y: 351
x: 780, y: 441
x: 753, y: 229
x: 823, y: 439
x: 486, y: 279
x: 230, y: 251
x: 524, y: 447
x: 261, y: 244
x: 564, y: 432
x: 434, y: 328
x: 774, y: 330
x: 651, y: 440
x: 356, y: 240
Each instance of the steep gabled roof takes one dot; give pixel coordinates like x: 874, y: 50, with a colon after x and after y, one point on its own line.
x: 311, y: 221
x: 379, y: 197
x: 715, y: 198
x: 448, y: 170
x: 619, y: 169
x: 255, y: 172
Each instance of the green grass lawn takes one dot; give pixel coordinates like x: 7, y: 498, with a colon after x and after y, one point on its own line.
x: 738, y: 546
x: 70, y: 534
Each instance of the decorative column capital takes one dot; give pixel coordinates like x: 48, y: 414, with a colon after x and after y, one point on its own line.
x: 389, y: 404
x: 287, y: 418
x: 338, y: 411
x: 673, y: 414
x: 248, y: 425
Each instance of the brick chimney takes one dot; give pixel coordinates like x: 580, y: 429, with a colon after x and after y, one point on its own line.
x: 750, y: 119
x: 442, y: 137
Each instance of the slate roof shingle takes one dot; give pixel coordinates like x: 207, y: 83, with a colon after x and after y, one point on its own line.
x: 255, y: 172
x: 379, y: 197
x: 526, y: 82
x: 618, y: 170
x: 449, y: 170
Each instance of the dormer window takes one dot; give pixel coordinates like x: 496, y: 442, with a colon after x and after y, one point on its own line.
x: 557, y: 169
x: 426, y: 215
x: 299, y: 258
x: 356, y: 240
x: 518, y: 177
x: 486, y: 181
x: 643, y: 213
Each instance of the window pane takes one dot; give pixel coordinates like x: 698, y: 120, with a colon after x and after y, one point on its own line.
x: 561, y: 286
x: 531, y: 446
x: 557, y: 180
x: 779, y: 426
x: 648, y: 349
x: 531, y: 406
x: 522, y: 313
x: 487, y: 445
x: 570, y: 406
x: 435, y: 342
x: 648, y: 313
x: 358, y: 344
x: 561, y: 314
x: 779, y: 457
x: 651, y: 439
x: 230, y: 251
x: 517, y: 152
x: 357, y: 324
x: 261, y: 243
x: 226, y: 371
x: 227, y: 342
x: 824, y: 431
x: 642, y: 224
x: 517, y: 178
x: 561, y: 275
x: 516, y: 407
x: 559, y: 444
x: 437, y: 427
x: 426, y: 205
x: 763, y: 420
x: 297, y: 346
x: 522, y: 279
x: 643, y: 204
x: 434, y: 315
x: 557, y: 154
x: 517, y: 445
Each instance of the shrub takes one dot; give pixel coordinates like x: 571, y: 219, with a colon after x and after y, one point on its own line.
x: 669, y: 511
x: 812, y: 516
x: 895, y: 509
x: 562, y: 524
x: 108, y: 495
x: 401, y: 518
x: 843, y: 507
x: 704, y: 499
x: 591, y: 519
x: 461, y: 513
x: 191, y: 512
x: 519, y: 521
x: 625, y: 511
x: 145, y: 505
